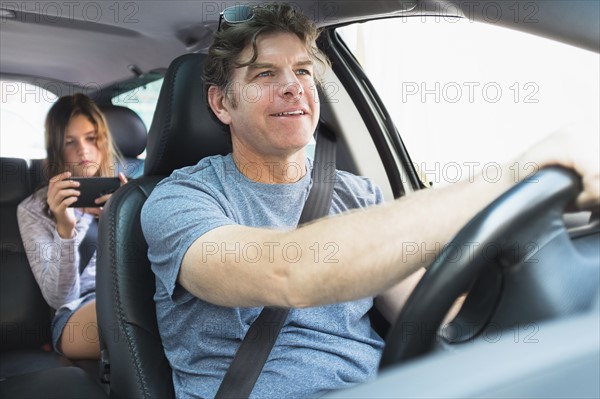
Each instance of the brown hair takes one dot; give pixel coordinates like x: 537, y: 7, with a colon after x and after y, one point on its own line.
x: 57, y: 120
x: 232, y: 39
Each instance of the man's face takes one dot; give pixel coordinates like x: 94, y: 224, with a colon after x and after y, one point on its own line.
x: 272, y: 105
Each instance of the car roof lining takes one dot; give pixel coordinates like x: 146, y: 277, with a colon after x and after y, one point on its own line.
x: 149, y: 35
x: 572, y: 22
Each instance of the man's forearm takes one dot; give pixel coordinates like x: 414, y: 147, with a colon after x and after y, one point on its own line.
x: 346, y: 257
x: 378, y: 247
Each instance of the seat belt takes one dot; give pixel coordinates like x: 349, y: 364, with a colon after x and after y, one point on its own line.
x: 87, y: 248
x: 88, y: 245
x: 254, y: 350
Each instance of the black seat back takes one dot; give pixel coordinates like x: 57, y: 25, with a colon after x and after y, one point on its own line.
x: 124, y: 302
x: 130, y: 136
x: 24, y: 314
x: 28, y: 366
x: 182, y: 132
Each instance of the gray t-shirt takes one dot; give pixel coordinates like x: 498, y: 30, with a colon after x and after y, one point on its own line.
x: 319, y: 349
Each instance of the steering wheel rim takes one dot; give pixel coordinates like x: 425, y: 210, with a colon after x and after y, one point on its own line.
x: 538, y: 201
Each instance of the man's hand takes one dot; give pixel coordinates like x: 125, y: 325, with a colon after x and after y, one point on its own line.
x: 577, y: 147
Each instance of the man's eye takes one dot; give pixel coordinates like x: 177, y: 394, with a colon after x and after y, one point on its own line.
x: 265, y: 74
x: 303, y: 72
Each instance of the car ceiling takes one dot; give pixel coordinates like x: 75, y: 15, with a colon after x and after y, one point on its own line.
x: 97, y: 43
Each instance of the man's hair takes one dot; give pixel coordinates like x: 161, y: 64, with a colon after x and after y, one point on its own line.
x: 232, y: 39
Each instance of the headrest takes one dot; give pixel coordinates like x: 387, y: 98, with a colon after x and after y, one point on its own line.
x: 182, y: 131
x: 127, y: 129
x: 14, y: 176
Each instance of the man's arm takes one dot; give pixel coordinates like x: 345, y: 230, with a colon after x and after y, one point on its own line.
x: 244, y: 266
x: 390, y: 302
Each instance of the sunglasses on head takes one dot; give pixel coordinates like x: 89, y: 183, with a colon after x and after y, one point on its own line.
x: 236, y: 15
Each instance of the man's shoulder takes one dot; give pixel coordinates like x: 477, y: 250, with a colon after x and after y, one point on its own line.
x: 208, y: 170
x: 207, y: 178
x: 351, y: 181
x: 356, y: 191
x: 192, y: 189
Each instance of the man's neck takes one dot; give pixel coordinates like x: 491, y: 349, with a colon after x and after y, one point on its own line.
x: 271, y: 169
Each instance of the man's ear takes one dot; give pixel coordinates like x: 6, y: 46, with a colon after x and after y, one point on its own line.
x: 216, y: 101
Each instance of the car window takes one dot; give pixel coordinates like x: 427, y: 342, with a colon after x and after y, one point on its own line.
x: 23, y: 111
x: 142, y: 100
x: 467, y: 96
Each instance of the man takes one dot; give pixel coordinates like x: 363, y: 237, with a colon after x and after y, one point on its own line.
x: 223, y: 240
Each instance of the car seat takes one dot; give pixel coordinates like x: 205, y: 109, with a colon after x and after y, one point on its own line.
x: 28, y: 366
x: 181, y: 134
x: 24, y: 314
x: 130, y: 136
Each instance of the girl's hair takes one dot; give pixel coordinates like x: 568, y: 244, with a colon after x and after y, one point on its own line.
x: 58, y: 118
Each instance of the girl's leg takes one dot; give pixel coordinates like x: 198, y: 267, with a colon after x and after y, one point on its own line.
x: 79, y: 339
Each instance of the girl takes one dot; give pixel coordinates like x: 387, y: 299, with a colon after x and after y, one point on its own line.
x: 78, y: 144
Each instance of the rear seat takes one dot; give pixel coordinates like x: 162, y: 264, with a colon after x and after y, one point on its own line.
x: 24, y: 314
x: 28, y: 366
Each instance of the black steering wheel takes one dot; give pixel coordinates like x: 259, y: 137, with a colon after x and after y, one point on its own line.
x: 492, y: 258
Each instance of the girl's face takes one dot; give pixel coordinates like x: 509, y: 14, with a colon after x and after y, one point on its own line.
x: 81, y: 154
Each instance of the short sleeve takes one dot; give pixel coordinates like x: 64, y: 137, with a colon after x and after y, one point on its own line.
x: 351, y: 192
x: 176, y: 214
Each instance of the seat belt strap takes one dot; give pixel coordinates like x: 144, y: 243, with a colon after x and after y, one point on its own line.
x: 254, y: 350
x: 87, y: 248
x: 318, y: 202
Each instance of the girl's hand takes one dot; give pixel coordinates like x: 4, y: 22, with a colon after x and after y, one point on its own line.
x: 63, y: 192
x: 101, y: 200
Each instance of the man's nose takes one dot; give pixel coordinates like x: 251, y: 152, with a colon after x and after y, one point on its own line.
x: 292, y: 90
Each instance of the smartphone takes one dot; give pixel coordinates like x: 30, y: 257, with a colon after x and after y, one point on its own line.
x: 91, y: 188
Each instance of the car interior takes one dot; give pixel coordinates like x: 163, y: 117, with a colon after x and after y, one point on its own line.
x: 530, y: 324
x: 26, y: 354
